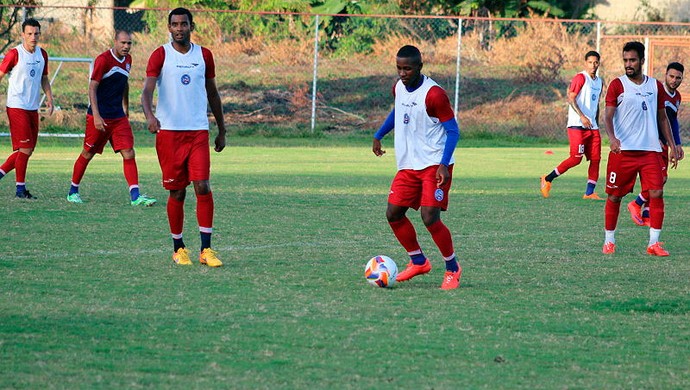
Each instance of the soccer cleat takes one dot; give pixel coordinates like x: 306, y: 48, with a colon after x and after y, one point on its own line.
x: 635, y: 213
x: 656, y: 249
x: 181, y: 257
x: 413, y: 270
x: 545, y: 187
x: 592, y: 196
x: 609, y: 248
x: 25, y: 195
x: 208, y: 257
x: 143, y: 200
x: 74, y: 198
x: 451, y: 280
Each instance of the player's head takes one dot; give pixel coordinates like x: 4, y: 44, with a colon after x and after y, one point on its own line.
x: 31, y: 32
x: 633, y: 58
x: 180, y: 25
x: 408, y: 61
x: 674, y: 75
x: 122, y: 44
x: 592, y: 59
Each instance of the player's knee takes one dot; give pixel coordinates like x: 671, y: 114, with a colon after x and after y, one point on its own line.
x: 431, y: 216
x: 127, y: 154
x: 614, y: 198
x: 656, y: 193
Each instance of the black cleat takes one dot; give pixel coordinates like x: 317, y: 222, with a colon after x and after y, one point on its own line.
x: 25, y: 195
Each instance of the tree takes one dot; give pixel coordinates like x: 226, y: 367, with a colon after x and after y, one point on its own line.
x: 10, y: 16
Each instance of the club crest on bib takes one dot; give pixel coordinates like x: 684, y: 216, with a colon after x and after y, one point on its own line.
x: 32, y: 73
x: 128, y: 67
x: 594, y: 97
x: 438, y: 194
x: 644, y: 106
x: 185, y: 79
x: 406, y: 119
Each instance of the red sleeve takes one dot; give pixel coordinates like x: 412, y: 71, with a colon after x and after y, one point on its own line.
x: 153, y: 68
x: 98, y: 65
x: 577, y: 83
x: 9, y: 62
x: 661, y: 95
x: 394, y: 84
x: 45, y: 58
x: 615, y: 90
x: 210, y: 64
x: 438, y: 104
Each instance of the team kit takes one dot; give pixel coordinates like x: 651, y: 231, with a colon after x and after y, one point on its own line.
x: 640, y: 119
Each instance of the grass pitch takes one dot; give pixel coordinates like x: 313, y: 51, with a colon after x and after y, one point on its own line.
x: 90, y: 297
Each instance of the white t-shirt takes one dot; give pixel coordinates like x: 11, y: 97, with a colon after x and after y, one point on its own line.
x: 419, y: 138
x: 587, y: 100
x: 635, y: 120
x: 24, y: 86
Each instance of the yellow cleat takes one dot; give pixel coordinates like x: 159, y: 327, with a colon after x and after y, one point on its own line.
x: 545, y: 187
x: 208, y: 257
x: 181, y: 257
x: 592, y: 196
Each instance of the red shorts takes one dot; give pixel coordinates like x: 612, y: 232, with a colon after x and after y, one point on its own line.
x: 184, y: 157
x: 118, y: 131
x: 412, y: 188
x: 23, y: 127
x: 623, y: 168
x: 585, y: 142
x: 664, y: 161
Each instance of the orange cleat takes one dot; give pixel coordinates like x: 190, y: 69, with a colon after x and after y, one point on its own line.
x: 635, y: 213
x: 413, y: 270
x: 451, y: 280
x: 645, y: 220
x: 656, y: 249
x: 545, y: 187
x: 592, y: 196
x: 609, y: 248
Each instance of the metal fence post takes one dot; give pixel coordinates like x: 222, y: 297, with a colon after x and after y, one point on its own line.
x: 316, y: 66
x: 599, y: 37
x: 457, y: 70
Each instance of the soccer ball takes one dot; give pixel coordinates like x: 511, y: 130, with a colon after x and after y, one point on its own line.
x: 381, y: 271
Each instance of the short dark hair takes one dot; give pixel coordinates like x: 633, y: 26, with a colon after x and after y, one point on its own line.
x: 409, y: 51
x: 677, y: 66
x: 592, y: 53
x: 180, y: 11
x: 118, y: 32
x: 31, y: 22
x: 635, y: 46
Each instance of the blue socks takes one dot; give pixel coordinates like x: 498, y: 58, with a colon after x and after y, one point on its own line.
x: 418, y: 259
x: 134, y: 193
x: 590, y: 188
x: 639, y: 200
x: 205, y: 240
x: 452, y: 265
x: 73, y: 189
x: 21, y: 188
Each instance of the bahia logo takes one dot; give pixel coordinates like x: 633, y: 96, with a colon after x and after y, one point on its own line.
x: 128, y: 67
x: 406, y: 119
x: 594, y: 97
x: 185, y: 79
x: 438, y: 194
x: 644, y: 106
x: 32, y: 73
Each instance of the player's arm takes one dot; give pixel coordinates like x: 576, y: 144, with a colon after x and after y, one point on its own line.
x: 385, y: 128
x: 125, y: 98
x: 438, y: 106
x: 153, y: 124
x: 614, y: 90
x: 573, y: 91
x: 98, y: 121
x: 662, y: 120
x: 45, y: 84
x: 217, y: 109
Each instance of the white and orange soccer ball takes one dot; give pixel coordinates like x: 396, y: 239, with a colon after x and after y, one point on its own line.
x: 381, y: 271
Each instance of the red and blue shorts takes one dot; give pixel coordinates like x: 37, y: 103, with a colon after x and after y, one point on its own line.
x: 623, y: 168
x: 23, y: 127
x: 412, y: 188
x: 118, y: 131
x: 184, y: 156
x: 585, y: 142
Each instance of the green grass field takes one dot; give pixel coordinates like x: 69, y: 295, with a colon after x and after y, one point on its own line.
x: 90, y: 298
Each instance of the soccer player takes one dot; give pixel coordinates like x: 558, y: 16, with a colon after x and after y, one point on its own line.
x: 639, y: 208
x: 28, y: 68
x: 583, y: 129
x: 107, y: 118
x: 634, y: 113
x: 185, y: 75
x: 426, y: 134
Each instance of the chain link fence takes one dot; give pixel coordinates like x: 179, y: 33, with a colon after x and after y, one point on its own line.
x: 504, y: 76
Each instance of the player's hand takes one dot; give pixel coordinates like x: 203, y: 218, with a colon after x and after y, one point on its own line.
x: 442, y: 175
x: 154, y: 125
x: 99, y: 123
x: 586, y: 123
x: 376, y: 148
x: 680, y: 152
x: 220, y: 143
x: 673, y: 158
x: 49, y: 105
x: 615, y: 145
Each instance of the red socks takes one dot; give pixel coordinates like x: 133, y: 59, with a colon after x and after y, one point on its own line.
x: 175, y: 210
x: 405, y: 233
x: 442, y: 237
x: 22, y: 160
x: 656, y: 213
x: 129, y: 167
x: 79, y: 169
x: 611, y: 211
x: 9, y: 164
x: 204, y: 212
